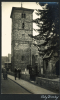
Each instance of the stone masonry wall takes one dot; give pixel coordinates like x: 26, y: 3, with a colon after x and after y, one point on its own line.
x: 20, y: 38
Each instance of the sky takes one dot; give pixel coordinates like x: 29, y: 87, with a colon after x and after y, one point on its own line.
x: 6, y: 8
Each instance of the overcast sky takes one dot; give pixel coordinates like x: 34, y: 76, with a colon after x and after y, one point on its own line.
x: 6, y: 22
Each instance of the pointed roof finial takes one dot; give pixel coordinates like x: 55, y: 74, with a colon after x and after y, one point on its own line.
x: 21, y: 4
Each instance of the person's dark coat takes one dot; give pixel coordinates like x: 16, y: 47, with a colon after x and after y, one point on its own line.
x: 15, y: 71
x: 19, y: 74
x: 4, y: 73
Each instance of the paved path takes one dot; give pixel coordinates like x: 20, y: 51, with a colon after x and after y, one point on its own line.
x: 10, y: 87
x: 31, y: 87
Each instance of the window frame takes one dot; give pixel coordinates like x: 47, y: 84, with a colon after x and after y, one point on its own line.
x: 23, y: 15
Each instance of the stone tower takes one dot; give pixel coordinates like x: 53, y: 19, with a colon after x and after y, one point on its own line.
x: 22, y: 25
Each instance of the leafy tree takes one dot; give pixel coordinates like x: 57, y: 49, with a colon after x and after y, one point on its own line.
x: 48, y: 23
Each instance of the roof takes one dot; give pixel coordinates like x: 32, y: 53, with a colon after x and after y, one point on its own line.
x: 20, y: 8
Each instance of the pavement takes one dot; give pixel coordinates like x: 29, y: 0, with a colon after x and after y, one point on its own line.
x: 30, y: 87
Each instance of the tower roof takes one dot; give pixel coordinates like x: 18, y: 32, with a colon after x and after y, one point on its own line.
x: 20, y: 8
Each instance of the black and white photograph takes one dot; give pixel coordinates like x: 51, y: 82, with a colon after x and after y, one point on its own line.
x: 30, y: 48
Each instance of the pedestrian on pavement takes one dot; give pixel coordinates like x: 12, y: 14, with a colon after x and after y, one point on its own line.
x: 15, y: 71
x: 19, y: 73
x: 4, y: 73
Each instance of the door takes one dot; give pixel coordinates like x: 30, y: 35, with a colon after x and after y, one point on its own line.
x: 33, y: 60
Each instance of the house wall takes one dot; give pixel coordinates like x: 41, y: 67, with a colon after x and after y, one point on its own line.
x: 51, y: 68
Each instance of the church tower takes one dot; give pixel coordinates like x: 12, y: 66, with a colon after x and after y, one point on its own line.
x: 22, y: 25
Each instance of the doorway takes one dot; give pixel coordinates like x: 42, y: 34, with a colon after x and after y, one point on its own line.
x: 33, y: 60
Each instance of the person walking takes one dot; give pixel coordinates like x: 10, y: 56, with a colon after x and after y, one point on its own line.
x: 15, y: 73
x: 4, y: 73
x: 19, y: 75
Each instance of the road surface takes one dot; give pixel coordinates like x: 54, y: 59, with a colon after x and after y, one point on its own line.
x: 10, y: 87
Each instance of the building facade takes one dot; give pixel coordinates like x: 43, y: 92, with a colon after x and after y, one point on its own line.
x: 22, y: 25
x: 3, y: 60
x: 50, y: 65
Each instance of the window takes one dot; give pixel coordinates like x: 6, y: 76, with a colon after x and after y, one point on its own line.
x: 23, y: 35
x: 22, y: 58
x: 23, y: 15
x: 23, y: 25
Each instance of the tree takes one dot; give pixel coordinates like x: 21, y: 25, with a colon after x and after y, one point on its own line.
x: 48, y: 24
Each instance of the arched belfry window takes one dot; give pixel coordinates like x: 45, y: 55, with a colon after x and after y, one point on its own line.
x: 23, y: 15
x: 23, y: 25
